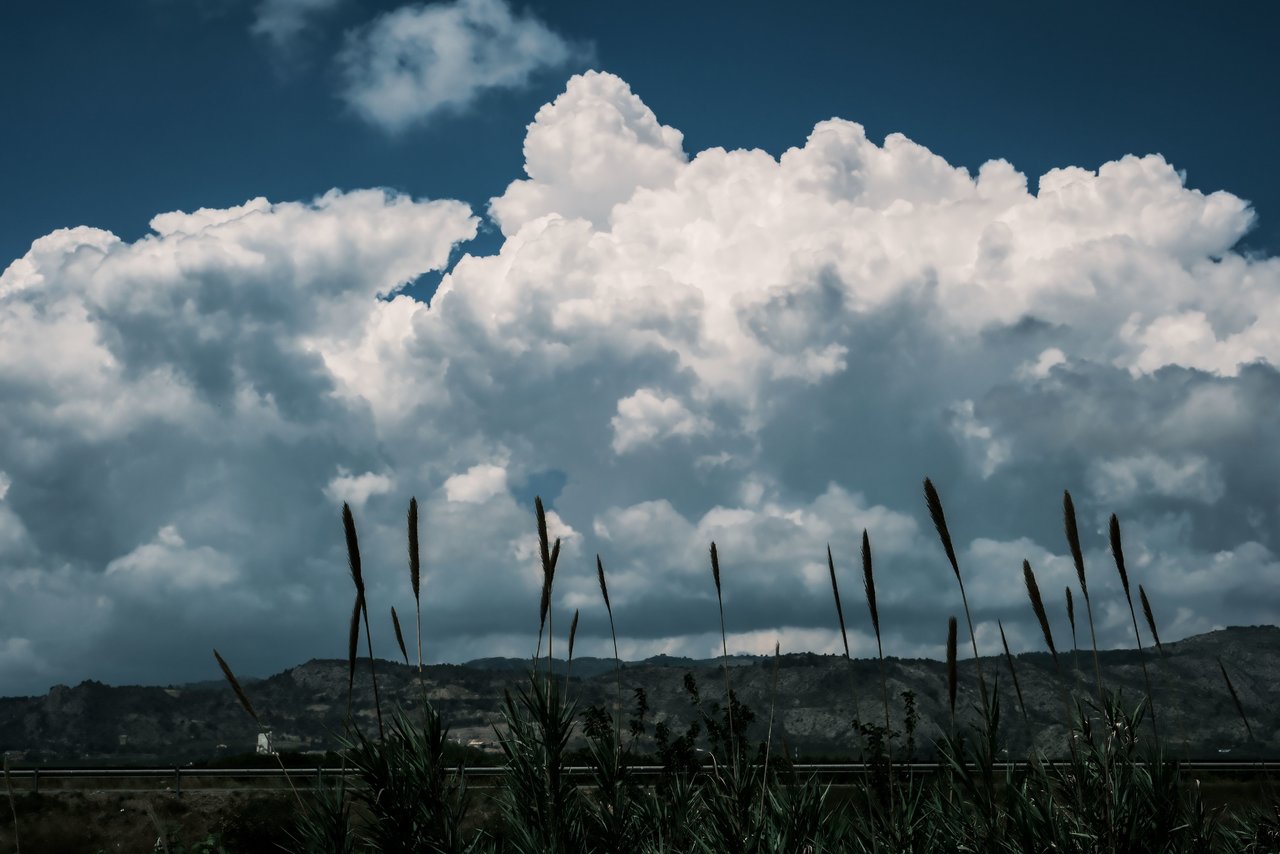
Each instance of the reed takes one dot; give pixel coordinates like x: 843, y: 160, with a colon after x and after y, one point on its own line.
x: 869, y: 586
x: 1151, y: 620
x: 1037, y: 607
x: 1077, y: 556
x: 235, y: 687
x: 1013, y: 671
x: 617, y: 662
x: 1071, y: 618
x: 844, y: 636
x: 353, y: 649
x: 415, y: 576
x: 724, y: 646
x: 1235, y: 698
x: 940, y: 524
x: 1117, y: 551
x: 768, y: 740
x: 573, y: 634
x: 353, y: 560
x: 395, y: 623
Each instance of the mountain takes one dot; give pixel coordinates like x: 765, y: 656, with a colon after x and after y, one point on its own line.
x: 305, y: 706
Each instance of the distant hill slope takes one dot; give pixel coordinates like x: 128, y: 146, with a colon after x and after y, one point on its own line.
x: 306, y: 705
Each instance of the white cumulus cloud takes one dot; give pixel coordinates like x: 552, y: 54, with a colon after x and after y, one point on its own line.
x: 670, y: 348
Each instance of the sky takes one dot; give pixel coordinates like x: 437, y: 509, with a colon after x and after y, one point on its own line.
x: 689, y: 272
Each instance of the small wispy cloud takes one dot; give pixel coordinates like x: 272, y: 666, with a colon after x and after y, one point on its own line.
x: 282, y: 21
x: 413, y: 62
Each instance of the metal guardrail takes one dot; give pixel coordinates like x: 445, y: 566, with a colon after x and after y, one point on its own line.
x: 175, y: 776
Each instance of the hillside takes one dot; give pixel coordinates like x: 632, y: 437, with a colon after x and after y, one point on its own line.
x: 305, y: 705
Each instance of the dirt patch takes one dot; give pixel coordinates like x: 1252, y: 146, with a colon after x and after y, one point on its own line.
x: 102, y: 822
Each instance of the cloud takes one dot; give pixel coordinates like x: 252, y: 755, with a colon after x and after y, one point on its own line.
x: 283, y: 21
x: 767, y: 352
x: 411, y: 63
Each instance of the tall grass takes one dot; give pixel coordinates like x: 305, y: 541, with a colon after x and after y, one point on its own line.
x: 1116, y: 792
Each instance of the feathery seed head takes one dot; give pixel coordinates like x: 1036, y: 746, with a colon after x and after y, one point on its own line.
x: 869, y: 582
x: 235, y: 686
x: 414, y: 563
x: 1151, y: 620
x: 940, y: 523
x: 1073, y: 539
x: 604, y: 588
x: 353, y: 547
x: 395, y: 622
x: 1037, y: 605
x: 1117, y: 551
x: 715, y: 568
x: 835, y: 591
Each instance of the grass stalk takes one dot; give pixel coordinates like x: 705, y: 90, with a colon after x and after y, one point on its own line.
x: 940, y: 524
x: 844, y: 636
x: 869, y: 587
x: 353, y: 560
x: 1235, y: 698
x: 1117, y: 551
x: 415, y: 576
x: 724, y: 646
x: 1075, y: 643
x: 1151, y: 620
x: 617, y: 662
x: 1077, y: 556
x: 395, y: 624
x: 1013, y: 672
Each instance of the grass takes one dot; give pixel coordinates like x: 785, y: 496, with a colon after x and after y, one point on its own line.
x: 1116, y: 791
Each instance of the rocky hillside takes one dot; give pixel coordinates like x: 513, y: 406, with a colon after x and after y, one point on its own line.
x: 306, y: 706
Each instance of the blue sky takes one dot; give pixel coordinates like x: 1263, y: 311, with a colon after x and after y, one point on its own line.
x: 678, y: 302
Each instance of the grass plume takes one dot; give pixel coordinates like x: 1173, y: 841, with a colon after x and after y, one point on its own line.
x: 1037, y: 605
x: 869, y: 585
x: 395, y: 623
x: 362, y: 605
x: 724, y: 645
x: 940, y: 523
x: 415, y: 574
x: 835, y: 591
x: 1117, y: 551
x: 235, y: 686
x: 1013, y: 671
x: 1235, y: 698
x: 1151, y: 620
x: 1077, y: 556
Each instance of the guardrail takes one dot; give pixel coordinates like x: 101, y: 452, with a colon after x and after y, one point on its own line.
x: 173, y: 778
